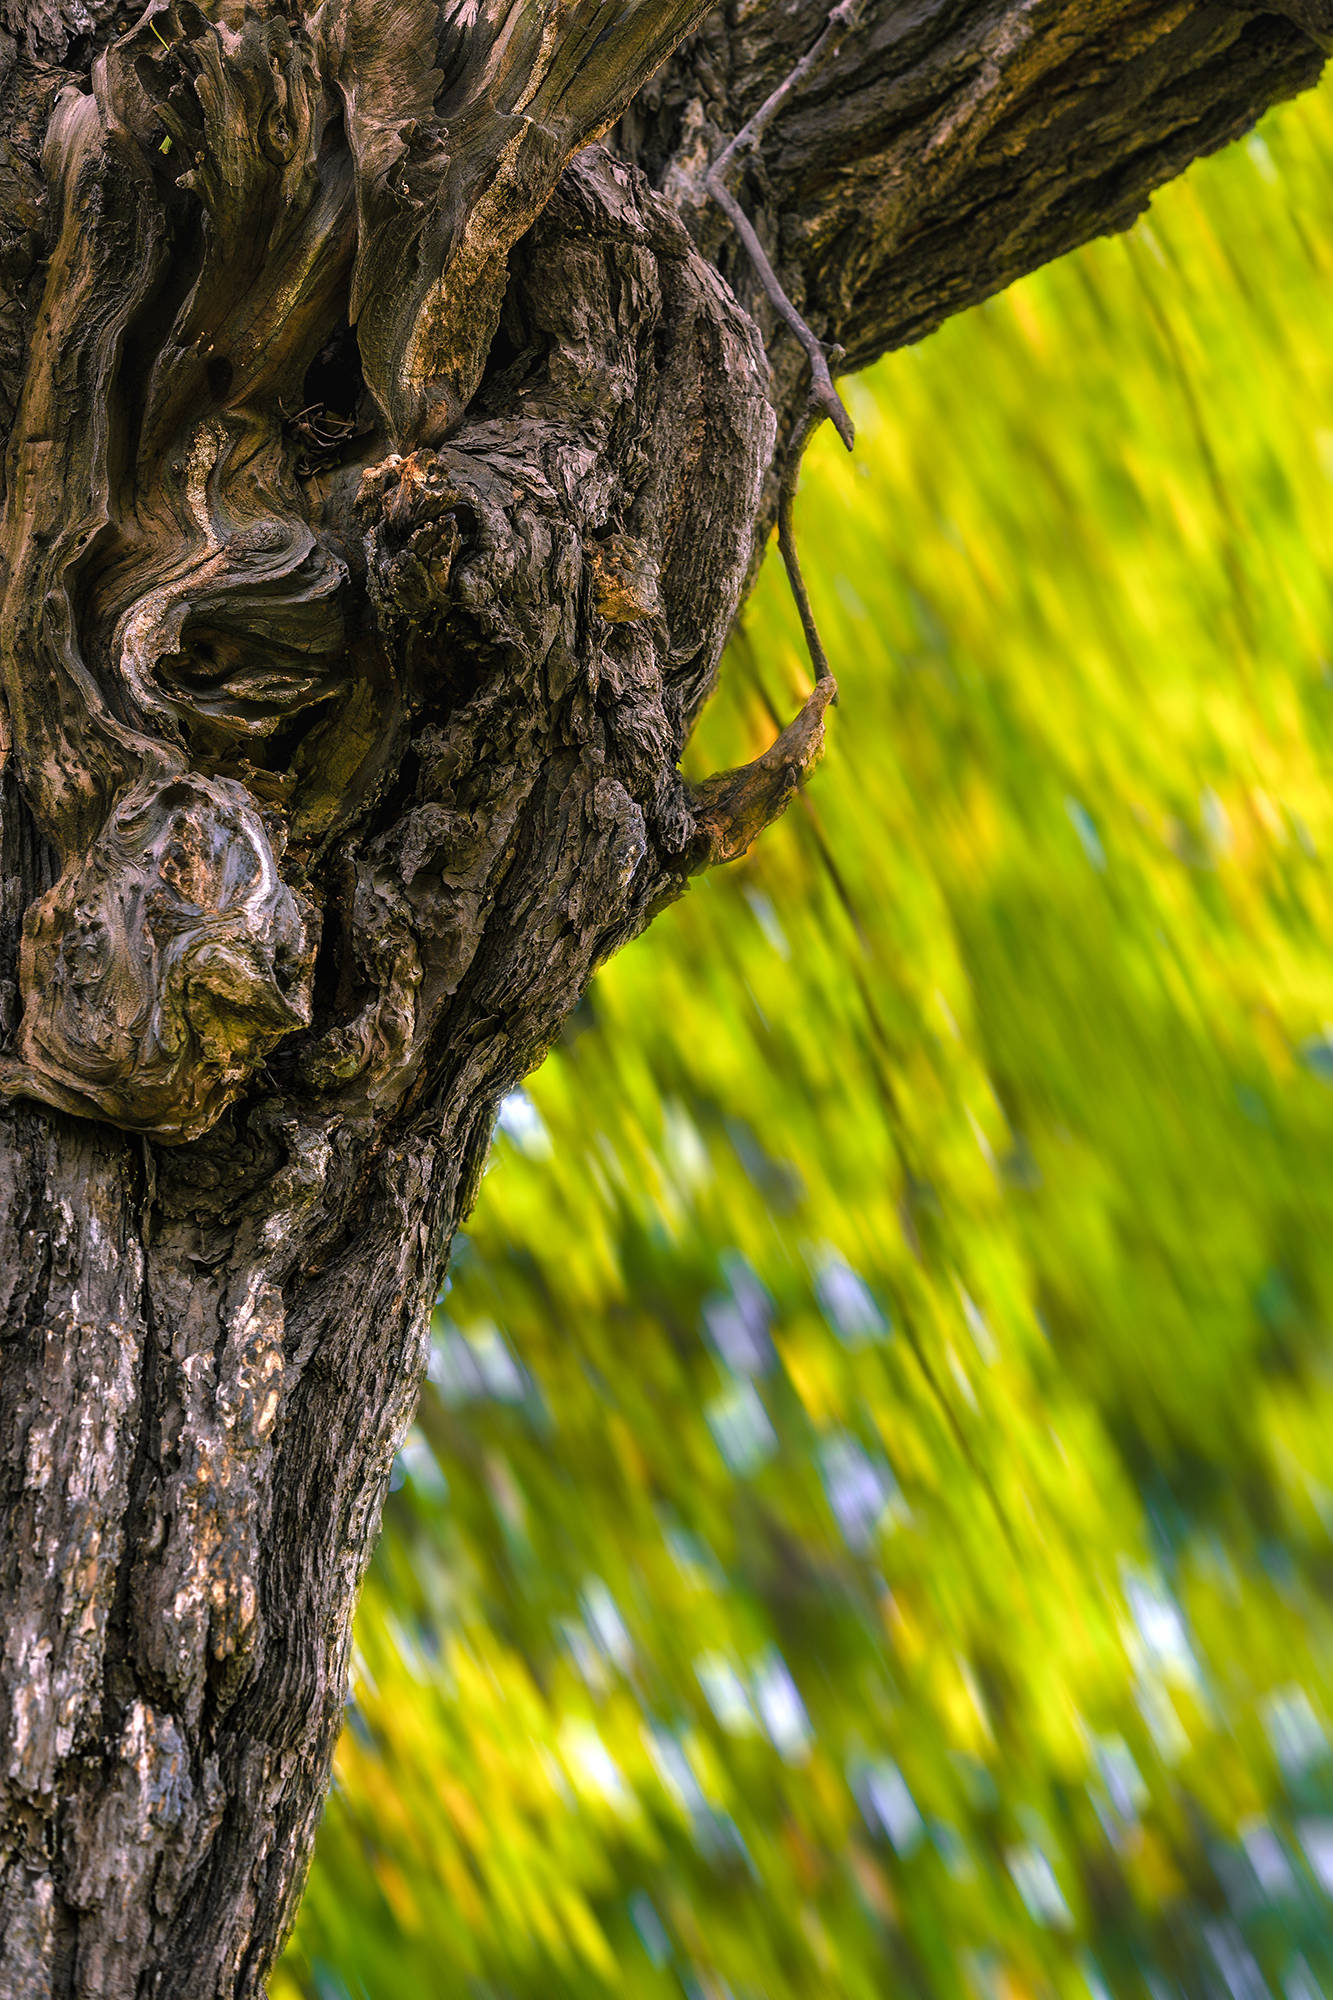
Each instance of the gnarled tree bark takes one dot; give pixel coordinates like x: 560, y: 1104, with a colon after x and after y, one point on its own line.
x: 392, y: 437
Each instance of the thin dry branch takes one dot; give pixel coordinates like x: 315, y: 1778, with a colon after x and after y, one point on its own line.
x: 842, y: 18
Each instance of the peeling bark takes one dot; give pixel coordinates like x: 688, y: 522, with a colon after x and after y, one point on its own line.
x: 388, y: 458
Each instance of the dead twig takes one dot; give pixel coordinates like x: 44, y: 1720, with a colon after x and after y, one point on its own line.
x: 823, y: 399
x: 791, y: 473
x: 823, y: 394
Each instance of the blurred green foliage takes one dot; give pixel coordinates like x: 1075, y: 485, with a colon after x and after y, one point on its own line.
x: 868, y: 1529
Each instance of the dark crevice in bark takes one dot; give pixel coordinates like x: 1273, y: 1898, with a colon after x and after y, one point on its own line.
x: 142, y: 1476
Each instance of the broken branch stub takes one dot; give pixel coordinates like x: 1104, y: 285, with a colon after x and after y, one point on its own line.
x: 733, y: 809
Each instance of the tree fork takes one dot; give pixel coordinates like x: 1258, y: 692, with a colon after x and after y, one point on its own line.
x: 387, y: 463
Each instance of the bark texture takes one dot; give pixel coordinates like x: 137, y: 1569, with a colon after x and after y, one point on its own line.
x: 387, y: 461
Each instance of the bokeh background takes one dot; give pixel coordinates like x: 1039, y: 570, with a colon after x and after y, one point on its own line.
x: 869, y: 1527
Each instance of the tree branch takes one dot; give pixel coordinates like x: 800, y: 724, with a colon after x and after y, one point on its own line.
x: 944, y: 151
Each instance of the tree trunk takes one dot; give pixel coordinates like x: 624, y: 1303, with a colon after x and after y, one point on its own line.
x: 387, y: 463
